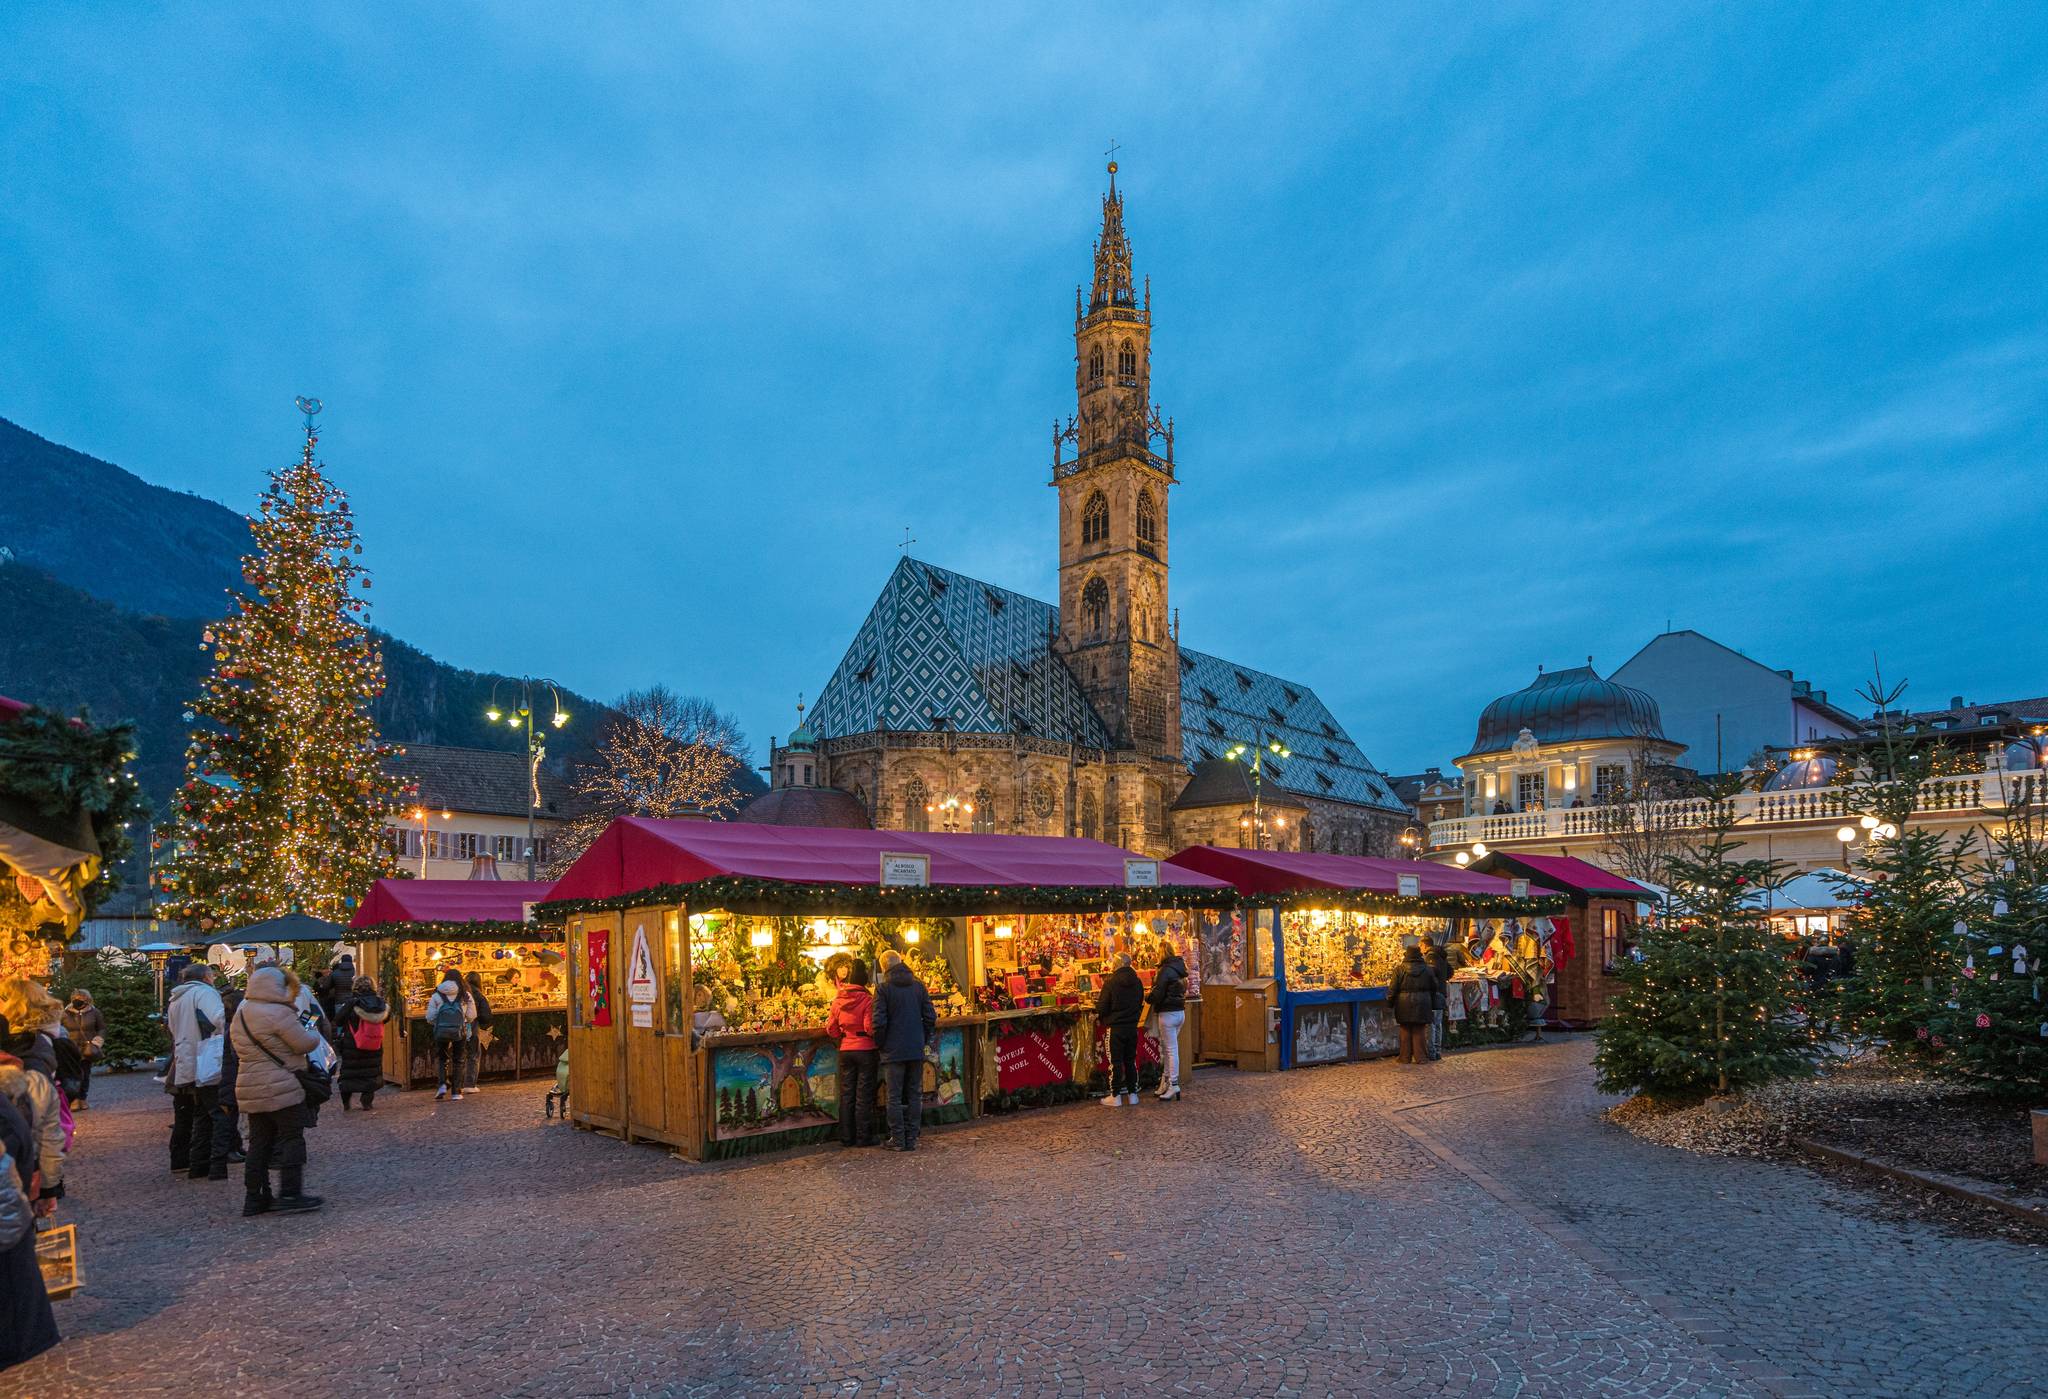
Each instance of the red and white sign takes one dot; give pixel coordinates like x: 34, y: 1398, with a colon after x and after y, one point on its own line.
x: 1032, y: 1059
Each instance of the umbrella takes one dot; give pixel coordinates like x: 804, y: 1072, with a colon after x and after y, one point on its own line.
x: 290, y: 927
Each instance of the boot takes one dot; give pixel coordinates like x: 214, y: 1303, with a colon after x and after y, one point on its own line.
x: 296, y: 1204
x: 257, y: 1204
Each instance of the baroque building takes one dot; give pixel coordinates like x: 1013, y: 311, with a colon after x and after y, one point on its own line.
x: 964, y: 706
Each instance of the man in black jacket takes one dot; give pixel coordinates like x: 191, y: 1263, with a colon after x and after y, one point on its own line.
x: 1119, y: 1007
x: 904, y: 1021
x: 1416, y: 995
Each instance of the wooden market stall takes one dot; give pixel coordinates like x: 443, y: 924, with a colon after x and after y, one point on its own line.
x: 414, y: 930
x: 1600, y: 923
x: 1325, y: 933
x: 701, y: 956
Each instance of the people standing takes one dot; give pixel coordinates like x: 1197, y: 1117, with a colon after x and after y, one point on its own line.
x: 87, y: 1027
x: 478, y: 1026
x: 271, y: 1044
x: 1168, y: 999
x: 1119, y: 1006
x: 227, y: 1111
x: 28, y: 1326
x: 450, y: 1012
x: 1415, y: 995
x: 1440, y: 966
x: 848, y: 1024
x: 196, y: 1019
x: 360, y: 1021
x: 904, y: 1022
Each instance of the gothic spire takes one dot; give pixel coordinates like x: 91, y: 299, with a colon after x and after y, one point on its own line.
x: 1112, y: 254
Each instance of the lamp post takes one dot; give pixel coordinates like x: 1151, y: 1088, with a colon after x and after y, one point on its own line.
x: 536, y: 741
x: 1257, y: 763
x: 1411, y: 842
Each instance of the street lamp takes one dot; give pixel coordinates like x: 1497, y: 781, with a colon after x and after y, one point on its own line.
x: 536, y: 740
x: 1257, y: 763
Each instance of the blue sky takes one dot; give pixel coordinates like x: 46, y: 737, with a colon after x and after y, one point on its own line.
x: 1495, y: 335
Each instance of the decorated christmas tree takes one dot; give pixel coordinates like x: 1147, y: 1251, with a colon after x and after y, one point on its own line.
x: 1707, y: 1006
x: 285, y: 793
x: 1995, y: 1021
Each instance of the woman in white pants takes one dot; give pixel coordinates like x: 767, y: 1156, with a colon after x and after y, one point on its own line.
x: 1168, y: 1000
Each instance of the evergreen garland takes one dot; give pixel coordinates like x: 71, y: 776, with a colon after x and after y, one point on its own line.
x: 768, y: 897
x: 58, y: 766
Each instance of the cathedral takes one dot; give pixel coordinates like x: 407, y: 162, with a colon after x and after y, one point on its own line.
x: 964, y: 706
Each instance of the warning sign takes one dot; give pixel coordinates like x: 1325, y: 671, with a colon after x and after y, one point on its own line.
x: 640, y: 970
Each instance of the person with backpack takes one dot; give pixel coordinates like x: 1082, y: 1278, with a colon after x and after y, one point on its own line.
x: 451, y: 1010
x: 272, y: 1042
x: 848, y: 1024
x: 87, y: 1028
x: 361, y: 1018
x: 903, y: 1022
x: 28, y: 1326
x: 482, y: 1023
x: 1168, y: 1000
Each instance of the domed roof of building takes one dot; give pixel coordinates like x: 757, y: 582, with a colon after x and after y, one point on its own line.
x: 807, y: 806
x: 803, y: 738
x: 1566, y: 705
x: 1802, y: 774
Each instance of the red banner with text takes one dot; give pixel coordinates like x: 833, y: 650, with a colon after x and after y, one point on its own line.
x: 597, y: 972
x: 1032, y: 1059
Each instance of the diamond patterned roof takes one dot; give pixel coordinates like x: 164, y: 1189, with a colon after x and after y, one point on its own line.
x: 942, y: 650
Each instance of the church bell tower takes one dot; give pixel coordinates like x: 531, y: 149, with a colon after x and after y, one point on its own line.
x: 1113, y: 489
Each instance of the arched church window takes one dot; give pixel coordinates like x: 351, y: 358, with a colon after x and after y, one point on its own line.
x: 1095, y: 519
x: 1127, y: 361
x: 860, y: 794
x: 984, y: 809
x: 1148, y: 519
x: 1090, y: 819
x: 916, y: 816
x: 1095, y: 609
x: 1095, y: 363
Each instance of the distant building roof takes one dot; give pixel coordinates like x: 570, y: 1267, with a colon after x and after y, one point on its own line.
x: 1802, y: 690
x: 1410, y: 788
x: 1225, y: 782
x: 940, y: 650
x: 1560, y: 706
x: 807, y: 806
x: 485, y: 781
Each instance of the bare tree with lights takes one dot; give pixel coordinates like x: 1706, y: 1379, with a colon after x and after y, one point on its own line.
x: 1645, y: 823
x: 286, y: 785
x: 662, y: 754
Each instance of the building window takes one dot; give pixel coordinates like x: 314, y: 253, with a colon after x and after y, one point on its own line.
x: 917, y: 814
x: 1609, y: 780
x: 507, y: 848
x: 541, y: 847
x: 1611, y: 936
x: 1148, y: 519
x: 1127, y: 361
x: 466, y: 845
x: 1530, y: 790
x: 1095, y: 519
x: 1090, y: 818
x: 1095, y: 609
x: 807, y: 774
x: 984, y: 810
x: 1095, y: 363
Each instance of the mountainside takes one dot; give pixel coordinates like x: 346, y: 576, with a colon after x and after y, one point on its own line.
x: 123, y: 640
x: 106, y: 531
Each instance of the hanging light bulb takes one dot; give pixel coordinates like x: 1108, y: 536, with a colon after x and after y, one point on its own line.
x: 911, y: 933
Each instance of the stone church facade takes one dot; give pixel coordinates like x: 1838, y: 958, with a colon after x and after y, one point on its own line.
x: 964, y: 706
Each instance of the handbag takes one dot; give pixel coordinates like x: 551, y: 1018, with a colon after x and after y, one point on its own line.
x: 316, y: 1083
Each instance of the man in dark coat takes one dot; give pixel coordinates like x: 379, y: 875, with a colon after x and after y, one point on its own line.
x: 1119, y: 1006
x: 904, y: 1021
x: 1416, y: 995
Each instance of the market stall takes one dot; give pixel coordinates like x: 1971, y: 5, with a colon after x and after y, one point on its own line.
x: 414, y: 931
x: 702, y: 956
x: 1599, y: 927
x: 1325, y: 933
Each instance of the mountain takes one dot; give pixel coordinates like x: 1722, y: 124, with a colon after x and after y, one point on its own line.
x: 110, y: 533
x: 124, y: 641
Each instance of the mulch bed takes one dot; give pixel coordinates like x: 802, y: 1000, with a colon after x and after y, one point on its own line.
x: 1894, y: 1114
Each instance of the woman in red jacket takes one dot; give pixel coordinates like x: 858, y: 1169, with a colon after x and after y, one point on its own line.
x: 848, y: 1024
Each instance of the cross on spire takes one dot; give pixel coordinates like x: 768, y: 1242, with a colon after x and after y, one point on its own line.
x: 906, y: 542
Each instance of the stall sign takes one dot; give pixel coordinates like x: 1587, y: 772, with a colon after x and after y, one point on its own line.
x: 1032, y: 1059
x: 640, y: 972
x: 1518, y: 888
x: 643, y: 1016
x: 906, y: 871
x: 1141, y: 874
x: 1411, y: 886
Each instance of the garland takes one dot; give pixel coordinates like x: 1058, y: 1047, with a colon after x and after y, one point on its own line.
x: 1422, y: 905
x: 475, y: 930
x: 59, y: 767
x: 742, y: 894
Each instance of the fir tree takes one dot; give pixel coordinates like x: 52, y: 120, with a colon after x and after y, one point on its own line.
x: 285, y: 794
x: 1709, y: 1005
x: 1995, y: 1021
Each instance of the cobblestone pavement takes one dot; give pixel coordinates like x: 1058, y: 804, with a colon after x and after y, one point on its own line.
x: 1309, y: 1233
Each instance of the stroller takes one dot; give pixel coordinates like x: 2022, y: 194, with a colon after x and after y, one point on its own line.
x: 559, y: 1094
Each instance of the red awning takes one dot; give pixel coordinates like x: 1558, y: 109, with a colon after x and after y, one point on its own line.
x: 1567, y: 874
x: 636, y: 853
x: 1292, y: 871
x: 448, y: 901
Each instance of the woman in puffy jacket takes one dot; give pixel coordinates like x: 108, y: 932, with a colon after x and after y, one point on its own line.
x: 271, y: 1044
x: 361, y: 1018
x: 848, y: 1024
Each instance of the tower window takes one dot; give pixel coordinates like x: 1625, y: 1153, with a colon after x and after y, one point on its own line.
x: 984, y: 809
x: 1095, y: 519
x: 1148, y: 519
x: 1095, y: 363
x: 1127, y: 361
x: 915, y: 801
x: 1095, y: 609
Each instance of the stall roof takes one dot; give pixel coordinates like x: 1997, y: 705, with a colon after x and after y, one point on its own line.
x: 1813, y: 891
x: 638, y: 854
x: 1269, y: 872
x: 1565, y: 873
x: 448, y: 901
x: 287, y: 927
